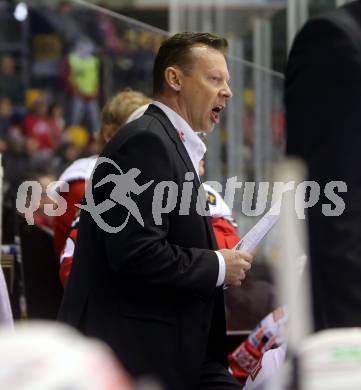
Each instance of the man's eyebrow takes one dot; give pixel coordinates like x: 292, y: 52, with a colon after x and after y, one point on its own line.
x: 226, y: 76
x: 223, y: 75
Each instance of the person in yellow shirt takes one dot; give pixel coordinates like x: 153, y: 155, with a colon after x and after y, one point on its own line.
x: 83, y: 82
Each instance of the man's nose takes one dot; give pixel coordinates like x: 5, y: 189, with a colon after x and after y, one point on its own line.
x: 227, y: 92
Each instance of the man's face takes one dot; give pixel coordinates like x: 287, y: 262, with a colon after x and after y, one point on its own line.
x: 204, y: 88
x: 7, y: 65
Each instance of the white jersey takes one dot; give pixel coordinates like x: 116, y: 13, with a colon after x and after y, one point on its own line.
x: 268, y: 365
x: 80, y: 169
x: 218, y: 208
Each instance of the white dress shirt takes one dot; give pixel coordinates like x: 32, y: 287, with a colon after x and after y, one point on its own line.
x: 196, y: 149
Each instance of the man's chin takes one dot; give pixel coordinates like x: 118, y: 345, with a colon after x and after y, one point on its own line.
x: 208, y: 129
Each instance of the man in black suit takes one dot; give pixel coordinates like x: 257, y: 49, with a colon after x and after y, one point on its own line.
x: 153, y: 290
x: 323, y: 106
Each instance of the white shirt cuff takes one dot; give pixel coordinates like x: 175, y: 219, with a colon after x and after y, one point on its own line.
x: 222, y: 269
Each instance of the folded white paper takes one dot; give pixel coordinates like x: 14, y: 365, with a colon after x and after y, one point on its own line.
x: 254, y: 236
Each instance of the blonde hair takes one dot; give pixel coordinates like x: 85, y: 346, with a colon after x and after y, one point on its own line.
x: 118, y: 109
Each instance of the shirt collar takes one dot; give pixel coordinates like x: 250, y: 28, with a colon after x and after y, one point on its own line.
x: 194, y: 145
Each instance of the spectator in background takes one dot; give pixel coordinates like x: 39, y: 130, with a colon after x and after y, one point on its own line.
x: 57, y: 124
x: 21, y: 157
x: 16, y: 160
x: 143, y: 58
x: 6, y: 114
x: 92, y: 147
x: 37, y: 127
x: 66, y: 154
x: 11, y: 85
x: 82, y: 77
x: 107, y: 31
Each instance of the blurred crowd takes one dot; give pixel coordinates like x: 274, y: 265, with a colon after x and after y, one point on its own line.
x: 36, y: 141
x: 51, y: 117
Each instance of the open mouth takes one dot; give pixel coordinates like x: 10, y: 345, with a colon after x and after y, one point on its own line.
x: 215, y: 113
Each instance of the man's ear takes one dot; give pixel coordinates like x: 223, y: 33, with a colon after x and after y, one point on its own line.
x: 173, y: 77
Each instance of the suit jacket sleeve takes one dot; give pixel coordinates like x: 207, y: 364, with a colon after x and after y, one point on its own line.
x: 145, y: 254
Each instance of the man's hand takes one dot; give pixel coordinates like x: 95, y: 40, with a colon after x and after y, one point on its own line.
x: 237, y: 264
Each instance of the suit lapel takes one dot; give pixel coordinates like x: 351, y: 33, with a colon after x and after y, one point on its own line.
x: 173, y: 135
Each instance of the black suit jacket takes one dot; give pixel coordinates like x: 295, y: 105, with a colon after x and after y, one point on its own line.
x: 149, y: 292
x: 323, y: 107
